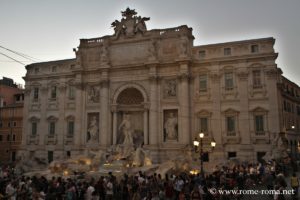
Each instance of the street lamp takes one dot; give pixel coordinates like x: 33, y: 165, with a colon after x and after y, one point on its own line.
x: 196, y: 144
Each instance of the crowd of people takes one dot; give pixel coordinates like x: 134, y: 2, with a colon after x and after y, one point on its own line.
x: 176, y: 186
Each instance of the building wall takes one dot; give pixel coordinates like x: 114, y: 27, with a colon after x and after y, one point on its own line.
x: 11, y: 121
x: 155, y: 78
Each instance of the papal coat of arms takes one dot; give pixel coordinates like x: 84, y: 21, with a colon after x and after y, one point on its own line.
x: 130, y: 24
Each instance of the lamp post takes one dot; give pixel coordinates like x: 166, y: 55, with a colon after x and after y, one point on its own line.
x: 196, y: 144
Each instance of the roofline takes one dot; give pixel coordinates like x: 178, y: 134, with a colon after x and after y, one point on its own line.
x: 49, y: 62
x: 239, y: 41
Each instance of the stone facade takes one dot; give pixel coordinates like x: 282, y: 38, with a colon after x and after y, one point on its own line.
x: 289, y: 107
x: 11, y: 120
x: 154, y: 88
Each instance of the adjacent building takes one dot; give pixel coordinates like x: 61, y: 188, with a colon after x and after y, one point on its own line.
x: 289, y: 107
x: 157, y: 89
x: 11, y: 119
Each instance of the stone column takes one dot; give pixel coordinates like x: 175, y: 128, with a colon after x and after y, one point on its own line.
x: 61, y: 128
x: 43, y: 124
x: 242, y: 82
x: 26, y: 124
x: 115, y: 128
x: 79, y: 114
x: 184, y: 113
x: 104, y: 114
x: 146, y: 136
x: 153, y: 113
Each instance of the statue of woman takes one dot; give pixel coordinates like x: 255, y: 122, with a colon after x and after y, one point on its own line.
x: 93, y: 129
x: 170, y: 127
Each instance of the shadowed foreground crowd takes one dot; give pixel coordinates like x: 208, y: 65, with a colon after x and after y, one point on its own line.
x: 142, y: 187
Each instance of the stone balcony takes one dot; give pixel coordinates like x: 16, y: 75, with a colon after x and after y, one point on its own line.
x: 33, y: 139
x: 69, y: 139
x: 51, y: 139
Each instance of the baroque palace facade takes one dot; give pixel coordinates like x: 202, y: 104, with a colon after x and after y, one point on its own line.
x: 154, y: 88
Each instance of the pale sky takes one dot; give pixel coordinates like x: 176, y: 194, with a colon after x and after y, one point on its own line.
x: 50, y: 29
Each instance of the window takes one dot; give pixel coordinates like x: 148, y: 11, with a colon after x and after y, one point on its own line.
x: 228, y: 81
x: 227, y: 51
x: 230, y: 125
x: 8, y: 124
x: 70, y: 128
x: 256, y: 79
x: 51, y: 128
x: 71, y: 94
x: 14, y: 137
x: 202, y: 54
x: 8, y: 137
x: 15, y: 124
x: 1, y: 138
x: 231, y: 154
x: 53, y: 92
x: 1, y: 124
x: 254, y: 48
x: 35, y: 93
x: 203, y: 83
x: 50, y: 156
x: 33, y: 128
x: 69, y: 154
x: 13, y: 156
x: 204, y: 125
x: 259, y: 124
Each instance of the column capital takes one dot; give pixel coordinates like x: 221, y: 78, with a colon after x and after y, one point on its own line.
x: 104, y: 83
x: 114, y: 107
x: 154, y: 78
x: 184, y: 76
x: 146, y: 106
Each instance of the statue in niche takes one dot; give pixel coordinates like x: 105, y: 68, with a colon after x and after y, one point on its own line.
x: 125, y: 126
x: 170, y: 88
x: 93, y: 94
x: 170, y: 126
x: 93, y: 129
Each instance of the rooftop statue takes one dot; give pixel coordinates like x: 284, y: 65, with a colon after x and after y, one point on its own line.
x: 130, y: 24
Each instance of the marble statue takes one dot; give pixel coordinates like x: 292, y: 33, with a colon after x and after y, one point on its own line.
x: 93, y: 130
x: 170, y: 127
x: 278, y: 149
x: 130, y: 24
x: 141, y: 25
x: 125, y: 126
x: 118, y: 28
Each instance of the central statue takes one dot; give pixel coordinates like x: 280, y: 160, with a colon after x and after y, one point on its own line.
x: 130, y: 24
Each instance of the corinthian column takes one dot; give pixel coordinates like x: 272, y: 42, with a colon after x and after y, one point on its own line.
x: 153, y: 113
x: 184, y: 114
x: 104, y: 104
